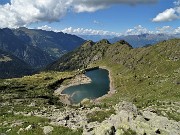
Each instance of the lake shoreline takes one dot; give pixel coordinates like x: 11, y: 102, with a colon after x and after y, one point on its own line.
x: 111, y: 85
x: 83, y: 79
x: 77, y: 80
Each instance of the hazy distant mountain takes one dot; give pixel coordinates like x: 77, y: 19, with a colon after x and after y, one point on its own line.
x: 134, y: 40
x: 54, y: 43
x: 143, y: 39
x: 30, y: 54
x: 37, y: 47
x: 96, y: 38
x: 11, y: 66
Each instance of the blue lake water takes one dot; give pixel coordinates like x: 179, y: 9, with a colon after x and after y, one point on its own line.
x: 99, y: 86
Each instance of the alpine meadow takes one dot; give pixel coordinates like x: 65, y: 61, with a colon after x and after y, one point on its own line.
x: 90, y: 67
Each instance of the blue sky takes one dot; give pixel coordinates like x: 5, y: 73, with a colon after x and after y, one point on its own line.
x: 117, y: 17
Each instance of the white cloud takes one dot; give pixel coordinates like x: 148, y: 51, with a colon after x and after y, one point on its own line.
x: 177, y: 30
x: 177, y: 3
x: 137, y: 31
x: 82, y: 31
x: 168, y: 30
x: 23, y: 12
x: 46, y: 28
x: 165, y: 30
x: 169, y: 14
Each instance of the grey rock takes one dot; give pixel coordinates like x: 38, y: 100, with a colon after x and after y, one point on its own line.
x: 20, y: 130
x: 28, y: 127
x: 47, y: 129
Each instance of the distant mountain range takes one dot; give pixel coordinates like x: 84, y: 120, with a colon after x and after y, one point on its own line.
x: 143, y: 39
x: 33, y: 48
x: 96, y: 38
x: 37, y: 47
x: 134, y: 40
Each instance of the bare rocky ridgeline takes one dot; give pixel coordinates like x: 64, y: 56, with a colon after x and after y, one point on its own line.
x: 127, y: 117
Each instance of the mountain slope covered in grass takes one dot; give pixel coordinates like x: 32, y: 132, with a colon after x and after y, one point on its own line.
x: 141, y: 75
x: 146, y: 83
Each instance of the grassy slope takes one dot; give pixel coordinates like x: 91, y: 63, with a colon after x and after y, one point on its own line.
x: 141, y: 75
x: 17, y: 94
x: 37, y: 86
x: 144, y: 76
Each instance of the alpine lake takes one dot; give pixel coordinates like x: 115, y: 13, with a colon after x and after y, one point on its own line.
x: 99, y: 86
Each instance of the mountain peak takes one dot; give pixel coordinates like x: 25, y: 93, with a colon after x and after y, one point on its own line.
x: 103, y: 41
x: 88, y: 43
x: 123, y: 42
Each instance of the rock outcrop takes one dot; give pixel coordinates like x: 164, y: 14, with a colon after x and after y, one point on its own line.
x: 126, y: 119
x: 143, y: 123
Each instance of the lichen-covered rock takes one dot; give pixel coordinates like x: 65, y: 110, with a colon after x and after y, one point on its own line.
x: 119, y: 132
x: 143, y: 123
x: 105, y: 129
x: 47, y: 129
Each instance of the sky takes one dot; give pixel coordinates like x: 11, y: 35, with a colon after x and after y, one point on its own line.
x: 93, y: 17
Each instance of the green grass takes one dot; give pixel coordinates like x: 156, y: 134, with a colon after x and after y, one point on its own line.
x: 129, y: 132
x: 11, y: 119
x: 37, y: 124
x: 100, y: 116
x: 66, y: 131
x: 39, y: 86
x: 18, y: 93
x: 144, y: 75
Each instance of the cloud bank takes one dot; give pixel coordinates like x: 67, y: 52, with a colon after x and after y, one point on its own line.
x: 169, y: 14
x: 137, y: 30
x: 81, y: 31
x: 23, y: 12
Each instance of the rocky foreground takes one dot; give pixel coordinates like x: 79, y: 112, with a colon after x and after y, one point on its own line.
x: 126, y: 118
